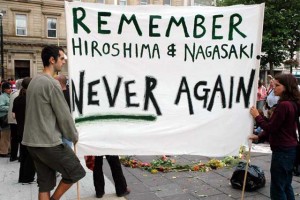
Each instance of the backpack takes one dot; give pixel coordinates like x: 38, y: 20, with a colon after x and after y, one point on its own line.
x: 255, y: 177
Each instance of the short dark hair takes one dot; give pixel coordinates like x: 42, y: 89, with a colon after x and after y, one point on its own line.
x: 50, y: 51
x: 5, y: 85
x: 26, y: 82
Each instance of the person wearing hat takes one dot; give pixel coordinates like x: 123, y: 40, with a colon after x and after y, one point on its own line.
x: 5, y: 131
x: 27, y: 169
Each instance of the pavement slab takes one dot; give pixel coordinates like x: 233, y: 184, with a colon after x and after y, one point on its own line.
x: 200, y: 189
x: 143, y: 196
x: 216, y: 197
x: 138, y: 187
x: 167, y: 190
x: 180, y: 197
x: 175, y: 175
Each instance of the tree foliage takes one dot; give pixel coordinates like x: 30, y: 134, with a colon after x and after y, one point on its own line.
x: 281, y: 31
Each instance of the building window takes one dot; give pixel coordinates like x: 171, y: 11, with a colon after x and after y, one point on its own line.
x: 167, y: 2
x: 143, y: 2
x: 51, y: 27
x: 203, y: 2
x: 21, y: 24
x: 100, y: 1
x: 123, y: 2
x: 197, y: 3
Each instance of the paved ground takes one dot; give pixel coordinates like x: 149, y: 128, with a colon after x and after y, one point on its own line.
x: 10, y: 189
x: 212, y: 185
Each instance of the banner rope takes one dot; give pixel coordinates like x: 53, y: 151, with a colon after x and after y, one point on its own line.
x: 77, y: 184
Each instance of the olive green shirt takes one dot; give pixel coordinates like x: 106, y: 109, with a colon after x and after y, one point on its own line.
x: 48, y: 117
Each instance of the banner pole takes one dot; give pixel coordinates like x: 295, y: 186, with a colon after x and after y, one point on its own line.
x: 246, y: 170
x: 77, y: 184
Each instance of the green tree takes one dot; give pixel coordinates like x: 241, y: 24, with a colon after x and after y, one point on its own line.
x: 281, y: 29
x: 292, y: 17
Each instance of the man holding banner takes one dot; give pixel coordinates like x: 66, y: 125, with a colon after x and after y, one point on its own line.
x: 48, y: 119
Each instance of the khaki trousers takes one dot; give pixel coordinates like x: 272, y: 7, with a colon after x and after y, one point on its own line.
x: 5, y: 141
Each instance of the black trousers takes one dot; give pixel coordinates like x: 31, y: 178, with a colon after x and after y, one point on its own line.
x: 27, y: 168
x: 117, y: 174
x: 14, y: 141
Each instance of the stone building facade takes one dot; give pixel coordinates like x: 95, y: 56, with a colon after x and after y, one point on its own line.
x: 28, y: 25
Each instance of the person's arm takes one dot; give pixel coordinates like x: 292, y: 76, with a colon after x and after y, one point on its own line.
x: 13, y: 115
x: 275, y: 122
x: 264, y: 92
x: 4, y: 105
x: 263, y: 135
x: 14, y: 107
x: 63, y: 115
x: 255, y: 114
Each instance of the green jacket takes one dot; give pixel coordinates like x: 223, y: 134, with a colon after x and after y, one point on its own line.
x: 4, y: 104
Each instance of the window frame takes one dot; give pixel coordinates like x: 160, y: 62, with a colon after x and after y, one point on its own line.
x: 56, y: 31
x: 123, y: 1
x: 16, y: 23
x: 97, y: 1
x: 170, y: 4
x: 197, y: 4
x: 146, y: 2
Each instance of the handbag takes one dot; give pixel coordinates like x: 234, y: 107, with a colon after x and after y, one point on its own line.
x: 4, y: 121
x: 90, y: 162
x: 255, y: 177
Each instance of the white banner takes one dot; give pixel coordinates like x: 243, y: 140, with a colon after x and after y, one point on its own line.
x: 153, y: 80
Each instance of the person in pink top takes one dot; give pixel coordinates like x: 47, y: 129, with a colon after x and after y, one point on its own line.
x: 261, y: 95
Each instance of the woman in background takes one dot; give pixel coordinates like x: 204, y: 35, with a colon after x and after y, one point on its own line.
x: 27, y: 169
x: 261, y: 95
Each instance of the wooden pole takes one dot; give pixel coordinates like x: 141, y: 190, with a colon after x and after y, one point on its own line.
x: 77, y: 184
x: 246, y: 170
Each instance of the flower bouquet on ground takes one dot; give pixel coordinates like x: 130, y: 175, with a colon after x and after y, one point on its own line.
x: 167, y: 164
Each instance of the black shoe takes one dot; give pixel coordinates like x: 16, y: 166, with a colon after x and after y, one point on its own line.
x: 28, y: 183
x: 99, y: 195
x: 124, y: 194
x: 13, y: 159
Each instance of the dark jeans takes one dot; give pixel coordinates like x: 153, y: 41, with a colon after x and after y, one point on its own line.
x: 282, y: 174
x: 117, y: 174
